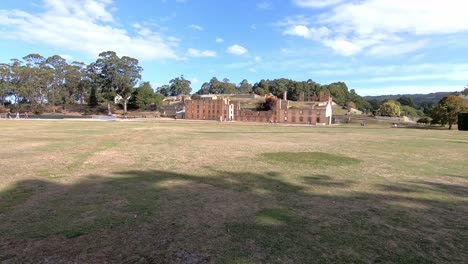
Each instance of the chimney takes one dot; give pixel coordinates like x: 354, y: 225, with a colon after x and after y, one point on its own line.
x: 285, y: 95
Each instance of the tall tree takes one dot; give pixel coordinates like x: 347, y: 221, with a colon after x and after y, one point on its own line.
x: 228, y: 87
x: 115, y: 76
x: 5, y: 84
x: 446, y: 112
x: 164, y: 90
x: 129, y: 74
x: 146, y: 98
x: 245, y: 87
x: 215, y: 86
x: 56, y: 93
x: 76, y: 82
x: 205, y: 89
x: 180, y: 86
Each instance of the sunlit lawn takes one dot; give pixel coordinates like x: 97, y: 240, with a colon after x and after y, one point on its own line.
x: 191, y: 192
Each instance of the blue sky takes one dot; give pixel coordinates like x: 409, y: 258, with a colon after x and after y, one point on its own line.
x: 375, y: 46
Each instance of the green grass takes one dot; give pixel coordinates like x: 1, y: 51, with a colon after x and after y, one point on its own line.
x: 179, y: 191
x: 310, y: 158
x: 12, y: 196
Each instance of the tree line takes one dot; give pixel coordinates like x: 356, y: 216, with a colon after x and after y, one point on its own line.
x: 36, y: 81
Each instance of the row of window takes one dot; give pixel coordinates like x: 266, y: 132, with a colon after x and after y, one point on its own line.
x: 301, y: 119
x: 301, y: 112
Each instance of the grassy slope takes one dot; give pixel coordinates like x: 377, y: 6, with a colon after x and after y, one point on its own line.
x: 194, y: 193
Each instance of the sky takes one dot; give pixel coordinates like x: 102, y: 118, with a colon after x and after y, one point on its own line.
x: 374, y: 46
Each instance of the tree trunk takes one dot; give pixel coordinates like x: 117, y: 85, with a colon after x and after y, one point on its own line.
x: 450, y: 126
x: 125, y: 107
x: 108, y: 108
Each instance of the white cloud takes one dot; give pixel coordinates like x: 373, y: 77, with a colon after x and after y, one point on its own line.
x: 316, y: 3
x: 199, y: 53
x: 236, y: 50
x: 308, y: 33
x: 257, y: 58
x: 66, y: 56
x: 219, y: 40
x: 416, y: 72
x: 196, y: 27
x: 264, y: 5
x: 394, y: 49
x: 377, y: 26
x: 252, y: 70
x: 85, y: 27
x: 193, y: 80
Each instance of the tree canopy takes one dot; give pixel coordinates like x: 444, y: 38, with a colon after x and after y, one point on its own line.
x: 446, y: 112
x: 390, y: 108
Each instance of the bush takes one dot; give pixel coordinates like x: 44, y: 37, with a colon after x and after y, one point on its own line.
x: 88, y: 111
x: 39, y: 110
x: 424, y: 120
x: 102, y: 109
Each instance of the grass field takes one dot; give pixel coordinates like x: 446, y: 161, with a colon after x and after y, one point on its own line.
x: 180, y: 192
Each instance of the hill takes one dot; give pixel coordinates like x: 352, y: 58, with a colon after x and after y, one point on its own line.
x: 418, y: 98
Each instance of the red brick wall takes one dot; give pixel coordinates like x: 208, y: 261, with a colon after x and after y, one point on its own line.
x: 207, y: 109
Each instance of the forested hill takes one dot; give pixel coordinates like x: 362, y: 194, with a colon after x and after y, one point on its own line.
x: 417, y: 98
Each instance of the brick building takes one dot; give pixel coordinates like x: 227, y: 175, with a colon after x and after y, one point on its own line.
x: 318, y: 113
x: 209, y: 107
x: 212, y: 107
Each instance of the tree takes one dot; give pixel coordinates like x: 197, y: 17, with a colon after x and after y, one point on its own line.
x: 410, y: 111
x: 5, y: 86
x: 146, y: 98
x: 56, y: 92
x: 446, y: 112
x: 390, y: 108
x: 215, y: 86
x: 205, y: 89
x: 129, y: 76
x: 261, y: 88
x: 405, y: 100
x: 245, y: 87
x: 77, y: 84
x: 179, y: 86
x: 465, y: 91
x: 164, y: 90
x: 228, y: 87
x: 93, y: 99
x: 115, y: 75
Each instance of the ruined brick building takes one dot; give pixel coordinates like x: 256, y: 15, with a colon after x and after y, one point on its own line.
x: 209, y: 107
x: 212, y: 107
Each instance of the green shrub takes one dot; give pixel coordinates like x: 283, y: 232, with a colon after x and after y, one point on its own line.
x: 88, y: 111
x: 39, y: 110
x: 424, y: 120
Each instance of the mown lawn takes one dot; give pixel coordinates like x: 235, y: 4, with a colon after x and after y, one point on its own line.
x: 191, y: 192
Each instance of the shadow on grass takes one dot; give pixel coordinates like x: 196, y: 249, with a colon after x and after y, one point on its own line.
x: 231, y: 217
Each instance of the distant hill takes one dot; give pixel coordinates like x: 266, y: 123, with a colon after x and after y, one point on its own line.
x: 417, y: 98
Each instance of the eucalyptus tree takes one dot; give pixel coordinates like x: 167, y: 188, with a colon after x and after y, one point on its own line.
x: 245, y: 87
x: 36, y: 76
x: 180, y: 86
x: 5, y: 82
x: 115, y: 76
x: 76, y: 82
x: 56, y: 93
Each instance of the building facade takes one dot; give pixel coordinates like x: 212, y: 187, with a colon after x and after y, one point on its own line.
x: 209, y: 108
x: 215, y: 108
